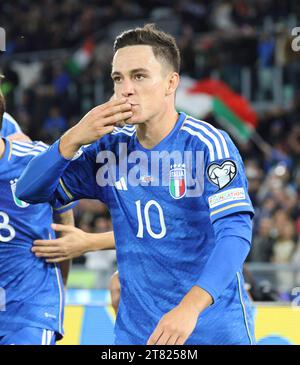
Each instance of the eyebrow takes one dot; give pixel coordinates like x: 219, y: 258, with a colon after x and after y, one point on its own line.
x: 117, y: 73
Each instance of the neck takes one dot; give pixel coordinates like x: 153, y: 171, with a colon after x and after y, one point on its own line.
x: 2, y: 147
x: 155, y: 130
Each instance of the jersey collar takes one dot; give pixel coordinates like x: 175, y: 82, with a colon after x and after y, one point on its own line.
x: 164, y: 142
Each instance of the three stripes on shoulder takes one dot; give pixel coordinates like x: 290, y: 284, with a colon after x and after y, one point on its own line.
x: 210, y: 136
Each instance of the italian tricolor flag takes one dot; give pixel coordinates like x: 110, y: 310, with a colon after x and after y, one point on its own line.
x: 209, y: 96
x: 81, y: 58
x: 177, y: 188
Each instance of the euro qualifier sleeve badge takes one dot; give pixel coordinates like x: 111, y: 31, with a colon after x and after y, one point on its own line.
x: 221, y: 175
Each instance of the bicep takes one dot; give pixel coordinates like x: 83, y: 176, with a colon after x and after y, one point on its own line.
x: 226, y: 186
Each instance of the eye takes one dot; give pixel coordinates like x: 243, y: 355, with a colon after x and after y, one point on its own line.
x: 116, y: 79
x: 139, y: 77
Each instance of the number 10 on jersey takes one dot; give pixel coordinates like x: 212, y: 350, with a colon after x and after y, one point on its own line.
x: 143, y: 217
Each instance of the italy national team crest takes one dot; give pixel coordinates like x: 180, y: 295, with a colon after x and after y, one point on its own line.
x: 177, y: 181
x: 17, y: 201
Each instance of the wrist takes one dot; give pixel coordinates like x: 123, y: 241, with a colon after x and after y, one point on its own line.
x: 68, y: 145
x: 196, y: 300
x: 89, y: 243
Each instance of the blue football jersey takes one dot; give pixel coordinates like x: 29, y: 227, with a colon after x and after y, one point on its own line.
x: 163, y: 204
x: 32, y: 292
x: 9, y: 126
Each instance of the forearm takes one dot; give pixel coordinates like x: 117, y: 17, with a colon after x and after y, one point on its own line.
x: 68, y: 144
x: 223, y: 264
x: 225, y: 261
x: 233, y: 237
x: 197, y: 299
x: 217, y: 274
x: 41, y: 176
x: 100, y: 241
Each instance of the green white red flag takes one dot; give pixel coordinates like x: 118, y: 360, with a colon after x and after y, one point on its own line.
x: 213, y: 97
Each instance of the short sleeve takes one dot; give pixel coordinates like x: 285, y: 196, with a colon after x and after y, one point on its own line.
x: 225, y: 182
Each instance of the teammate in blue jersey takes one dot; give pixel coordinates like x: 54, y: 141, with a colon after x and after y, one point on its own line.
x: 177, y: 192
x: 31, y: 290
x: 11, y: 129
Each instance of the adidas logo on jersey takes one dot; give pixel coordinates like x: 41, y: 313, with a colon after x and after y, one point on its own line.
x: 121, y: 184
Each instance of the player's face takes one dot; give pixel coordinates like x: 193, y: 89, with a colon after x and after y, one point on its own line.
x: 142, y: 79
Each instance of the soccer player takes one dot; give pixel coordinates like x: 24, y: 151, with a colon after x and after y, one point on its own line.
x: 31, y: 290
x: 177, y: 192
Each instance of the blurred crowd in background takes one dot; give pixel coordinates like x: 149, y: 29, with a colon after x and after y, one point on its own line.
x: 57, y: 67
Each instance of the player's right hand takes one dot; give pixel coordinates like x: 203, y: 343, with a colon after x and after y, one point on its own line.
x: 72, y: 244
x: 95, y: 124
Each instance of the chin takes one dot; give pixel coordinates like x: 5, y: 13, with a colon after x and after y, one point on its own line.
x: 136, y: 119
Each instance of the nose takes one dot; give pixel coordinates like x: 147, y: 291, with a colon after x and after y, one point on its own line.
x: 127, y: 88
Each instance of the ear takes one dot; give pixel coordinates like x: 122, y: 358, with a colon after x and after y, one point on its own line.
x: 172, y: 83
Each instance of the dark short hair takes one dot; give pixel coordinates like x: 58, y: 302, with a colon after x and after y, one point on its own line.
x: 163, y: 44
